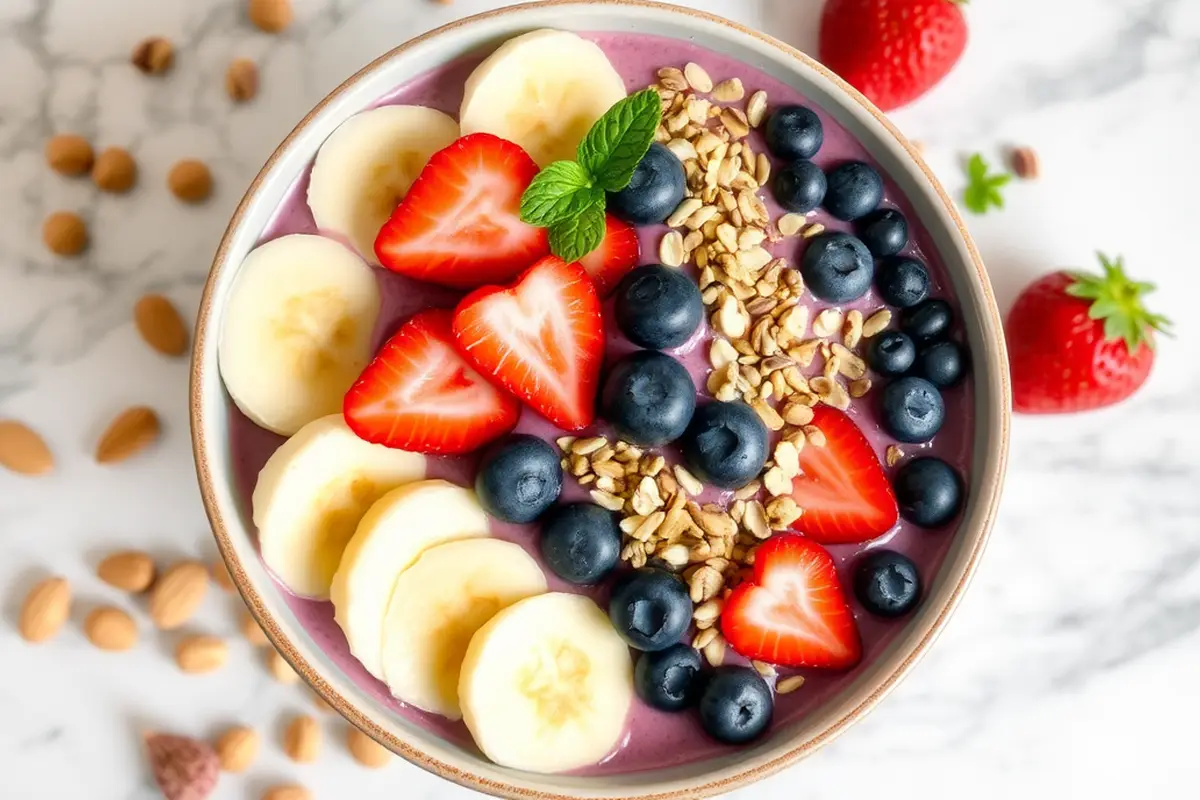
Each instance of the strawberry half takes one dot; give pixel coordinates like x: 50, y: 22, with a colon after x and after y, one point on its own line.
x: 793, y: 612
x: 842, y: 487
x: 419, y: 394
x: 460, y: 224
x: 617, y: 254
x: 541, y: 338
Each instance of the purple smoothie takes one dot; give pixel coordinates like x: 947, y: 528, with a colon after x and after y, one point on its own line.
x: 654, y: 739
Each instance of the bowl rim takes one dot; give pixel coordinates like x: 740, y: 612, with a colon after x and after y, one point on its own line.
x: 702, y: 785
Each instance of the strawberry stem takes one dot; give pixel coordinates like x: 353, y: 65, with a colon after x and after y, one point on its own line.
x: 1117, y: 301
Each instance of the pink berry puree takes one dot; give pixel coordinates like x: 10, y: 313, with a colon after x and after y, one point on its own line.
x: 654, y: 739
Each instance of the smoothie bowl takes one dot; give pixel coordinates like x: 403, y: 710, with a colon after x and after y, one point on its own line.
x: 599, y: 400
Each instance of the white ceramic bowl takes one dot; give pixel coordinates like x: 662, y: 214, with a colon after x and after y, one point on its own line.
x: 210, y: 415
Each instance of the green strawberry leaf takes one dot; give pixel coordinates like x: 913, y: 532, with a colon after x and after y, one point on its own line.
x: 616, y: 143
x: 1117, y: 301
x: 575, y: 237
x: 558, y: 192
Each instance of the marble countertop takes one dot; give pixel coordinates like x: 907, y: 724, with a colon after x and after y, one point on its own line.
x: 1069, y: 670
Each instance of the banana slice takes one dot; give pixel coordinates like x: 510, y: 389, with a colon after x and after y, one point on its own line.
x: 367, y: 165
x: 437, y: 605
x: 547, y: 685
x: 542, y: 90
x: 297, y: 330
x: 311, y: 494
x: 393, y: 533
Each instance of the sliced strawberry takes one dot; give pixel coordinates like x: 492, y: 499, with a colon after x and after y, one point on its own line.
x: 842, y: 488
x: 460, y: 225
x: 617, y: 254
x: 541, y: 338
x: 793, y: 612
x: 419, y: 394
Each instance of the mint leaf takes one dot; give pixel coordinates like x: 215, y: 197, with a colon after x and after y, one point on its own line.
x: 983, y: 187
x: 561, y: 190
x: 619, y: 139
x: 575, y: 237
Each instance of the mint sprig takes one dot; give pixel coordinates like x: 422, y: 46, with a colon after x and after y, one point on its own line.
x: 983, y: 186
x: 568, y: 197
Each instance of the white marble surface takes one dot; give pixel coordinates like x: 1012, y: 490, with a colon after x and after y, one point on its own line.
x: 1071, y: 668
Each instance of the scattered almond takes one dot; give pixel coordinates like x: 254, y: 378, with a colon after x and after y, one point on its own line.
x: 160, y: 325
x: 184, y: 768
x: 133, y: 430
x: 153, y: 56
x: 287, y: 791
x: 876, y: 323
x: 190, y: 181
x: 789, y: 684
x: 221, y: 576
x: 253, y: 633
x: 697, y: 77
x: 302, y: 739
x: 279, y: 668
x: 110, y: 628
x: 894, y: 455
x: 22, y: 450
x: 127, y: 570
x: 114, y: 171
x: 65, y: 233
x: 236, y: 748
x: 670, y: 249
x: 270, y: 16
x: 366, y: 751
x: 200, y: 654
x: 729, y: 91
x: 178, y: 594
x: 69, y: 154
x: 241, y: 80
x: 45, y: 610
x: 1025, y: 163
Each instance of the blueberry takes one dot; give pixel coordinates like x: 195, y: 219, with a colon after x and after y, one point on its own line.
x: 942, y: 363
x: 650, y: 609
x: 649, y: 398
x: 913, y: 410
x: 902, y: 282
x: 929, y: 492
x: 891, y: 353
x: 794, y: 132
x: 669, y: 680
x: 518, y: 478
x: 837, y: 267
x: 736, y: 706
x: 799, y: 187
x: 654, y: 191
x: 927, y: 321
x: 658, y: 307
x: 725, y: 444
x: 580, y: 542
x: 855, y: 190
x: 884, y: 232
x: 887, y: 583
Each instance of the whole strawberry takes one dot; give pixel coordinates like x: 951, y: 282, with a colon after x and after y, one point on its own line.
x: 893, y: 51
x: 1078, y: 341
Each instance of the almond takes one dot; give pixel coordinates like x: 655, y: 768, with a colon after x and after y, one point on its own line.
x: 287, y: 791
x: 199, y: 654
x: 153, y: 56
x: 221, y: 577
x: 270, y: 16
x: 250, y: 629
x: 236, y: 748
x: 65, y: 233
x: 160, y: 325
x: 184, y: 768
x: 45, y: 610
x: 302, y: 739
x: 366, y: 751
x: 241, y: 80
x: 22, y: 450
x: 128, y: 570
x: 110, y: 628
x: 132, y: 431
x: 178, y: 594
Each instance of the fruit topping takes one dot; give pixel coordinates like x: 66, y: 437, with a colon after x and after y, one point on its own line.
x: 655, y: 190
x: 296, y: 331
x: 794, y: 132
x: 650, y: 608
x: 884, y: 232
x: 799, y: 187
x: 459, y: 225
x: 648, y: 398
x: 547, y: 685
x: 793, y: 612
x: 887, y: 583
x: 736, y: 706
x: 842, y: 488
x: 617, y: 254
x: 1078, y: 341
x: 518, y: 478
x: 658, y: 307
x: 983, y: 186
x: 837, y: 267
x: 929, y: 492
x: 942, y: 363
x: 541, y: 338
x: 393, y: 533
x: 901, y: 281
x: 931, y: 319
x: 438, y: 604
x: 367, y: 165
x: 893, y: 51
x: 580, y: 543
x: 311, y: 494
x: 419, y: 394
x: 913, y: 410
x: 671, y: 679
x: 855, y: 190
x: 725, y: 444
x: 891, y: 353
